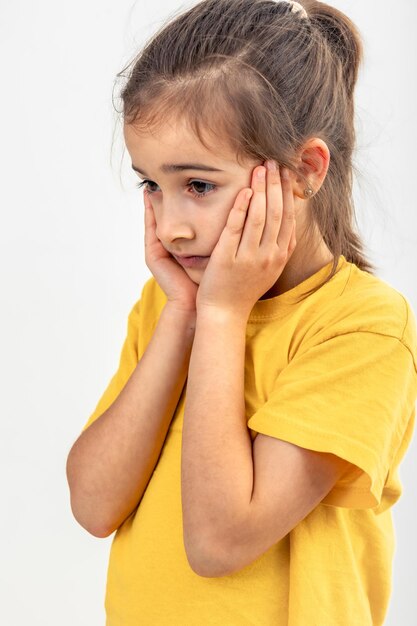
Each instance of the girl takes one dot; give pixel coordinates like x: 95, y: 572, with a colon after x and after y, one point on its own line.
x: 247, y: 448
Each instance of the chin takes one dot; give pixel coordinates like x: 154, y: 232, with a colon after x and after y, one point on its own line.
x: 195, y: 275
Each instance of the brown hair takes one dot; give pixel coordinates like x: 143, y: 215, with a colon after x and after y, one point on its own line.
x: 265, y: 79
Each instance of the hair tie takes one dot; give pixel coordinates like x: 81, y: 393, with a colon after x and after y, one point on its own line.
x: 296, y: 7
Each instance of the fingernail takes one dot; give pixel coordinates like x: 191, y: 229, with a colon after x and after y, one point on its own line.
x: 285, y: 173
x: 271, y: 165
x: 261, y: 173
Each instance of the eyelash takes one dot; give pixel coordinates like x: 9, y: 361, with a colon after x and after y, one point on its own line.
x: 193, y: 182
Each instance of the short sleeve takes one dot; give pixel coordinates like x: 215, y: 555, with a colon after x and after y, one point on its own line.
x: 127, y: 363
x: 353, y: 395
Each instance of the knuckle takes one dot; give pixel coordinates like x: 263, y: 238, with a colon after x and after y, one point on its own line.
x: 267, y: 260
x: 289, y: 215
x: 276, y: 215
x: 234, y: 229
x: 257, y: 221
x: 274, y: 179
x: 281, y: 255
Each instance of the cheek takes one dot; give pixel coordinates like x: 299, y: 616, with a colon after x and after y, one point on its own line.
x: 219, y: 215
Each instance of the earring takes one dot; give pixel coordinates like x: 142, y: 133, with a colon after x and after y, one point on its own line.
x: 308, y: 192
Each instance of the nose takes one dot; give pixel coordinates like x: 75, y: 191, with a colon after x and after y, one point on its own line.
x: 172, y: 222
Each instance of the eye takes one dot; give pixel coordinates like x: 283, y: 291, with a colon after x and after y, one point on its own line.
x: 199, y: 183
x: 194, y: 185
x: 147, y: 183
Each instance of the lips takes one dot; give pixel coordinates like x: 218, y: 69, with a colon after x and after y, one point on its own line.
x: 188, y: 256
x: 191, y: 261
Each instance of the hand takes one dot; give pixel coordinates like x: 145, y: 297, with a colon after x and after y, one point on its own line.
x: 180, y: 290
x: 254, y: 246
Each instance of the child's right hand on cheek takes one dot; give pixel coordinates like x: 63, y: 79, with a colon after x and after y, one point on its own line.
x: 180, y: 290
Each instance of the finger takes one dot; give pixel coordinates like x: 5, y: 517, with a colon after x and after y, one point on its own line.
x: 150, y: 222
x: 293, y: 241
x: 255, y: 221
x: 288, y: 214
x: 274, y: 207
x: 232, y: 232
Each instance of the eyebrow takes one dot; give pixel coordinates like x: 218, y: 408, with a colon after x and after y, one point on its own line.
x: 169, y: 168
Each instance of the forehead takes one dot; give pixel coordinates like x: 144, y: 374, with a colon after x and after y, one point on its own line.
x: 175, y: 139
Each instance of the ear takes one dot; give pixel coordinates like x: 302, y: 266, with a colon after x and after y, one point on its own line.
x: 314, y: 159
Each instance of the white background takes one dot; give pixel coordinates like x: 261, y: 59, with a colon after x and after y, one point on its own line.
x: 72, y: 266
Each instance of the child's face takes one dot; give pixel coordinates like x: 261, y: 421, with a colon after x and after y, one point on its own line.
x: 187, y: 222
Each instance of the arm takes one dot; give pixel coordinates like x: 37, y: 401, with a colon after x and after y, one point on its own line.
x: 109, y: 466
x: 231, y: 489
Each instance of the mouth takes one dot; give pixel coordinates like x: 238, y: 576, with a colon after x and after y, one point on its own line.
x: 191, y: 261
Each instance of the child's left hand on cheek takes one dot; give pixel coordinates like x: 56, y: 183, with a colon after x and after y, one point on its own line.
x: 254, y: 247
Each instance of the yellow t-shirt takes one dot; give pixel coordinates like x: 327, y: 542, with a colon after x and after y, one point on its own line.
x: 335, y: 372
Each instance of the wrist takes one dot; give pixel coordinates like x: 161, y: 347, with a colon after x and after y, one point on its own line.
x: 183, y: 310
x: 180, y: 316
x: 222, y: 315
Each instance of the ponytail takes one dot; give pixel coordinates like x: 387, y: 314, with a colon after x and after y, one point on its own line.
x: 342, y: 36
